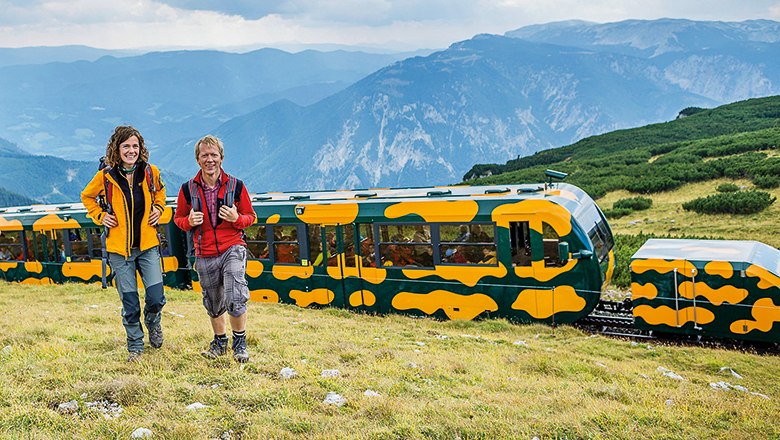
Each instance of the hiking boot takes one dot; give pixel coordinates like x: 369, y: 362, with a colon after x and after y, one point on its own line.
x: 134, y: 356
x: 240, y: 353
x: 156, y: 336
x: 217, y: 348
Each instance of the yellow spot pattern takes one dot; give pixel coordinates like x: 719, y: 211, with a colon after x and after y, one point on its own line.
x: 648, y: 291
x: 5, y: 266
x: 273, y: 219
x: 668, y: 316
x: 539, y: 272
x: 454, y: 305
x: 336, y: 213
x: 729, y: 294
x: 469, y: 276
x: 170, y: 264
x: 166, y: 216
x: 563, y: 193
x: 196, y: 286
x: 33, y: 267
x: 53, y: 221
x: 543, y: 303
x: 371, y: 274
x: 284, y: 273
x: 765, y: 312
x: 662, y: 266
x: 436, y: 211
x: 85, y: 270
x: 37, y: 281
x: 534, y: 212
x: 254, y: 268
x: 10, y: 225
x: 722, y: 268
x: 766, y: 279
x: 362, y: 298
x: 264, y: 295
x: 610, y: 269
x: 305, y: 299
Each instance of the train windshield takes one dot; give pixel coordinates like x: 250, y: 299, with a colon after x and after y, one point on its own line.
x: 593, y: 221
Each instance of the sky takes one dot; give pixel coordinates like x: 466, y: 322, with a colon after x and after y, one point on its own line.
x: 392, y: 25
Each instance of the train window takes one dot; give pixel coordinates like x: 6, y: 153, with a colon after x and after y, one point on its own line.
x: 472, y: 243
x: 286, y: 247
x: 96, y: 246
x: 11, y: 246
x: 367, y: 249
x: 165, y: 247
x: 348, y: 232
x: 550, y: 238
x: 602, y: 240
x: 256, y: 241
x: 79, y: 247
x: 520, y: 239
x: 58, y: 254
x: 315, y: 244
x: 330, y: 246
x: 406, y: 245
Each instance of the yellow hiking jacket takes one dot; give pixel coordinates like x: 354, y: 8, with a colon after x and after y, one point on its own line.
x: 120, y: 238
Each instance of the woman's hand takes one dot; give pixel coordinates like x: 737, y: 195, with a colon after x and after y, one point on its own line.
x: 154, y: 216
x: 110, y: 221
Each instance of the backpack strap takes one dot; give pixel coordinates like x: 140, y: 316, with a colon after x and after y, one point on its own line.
x: 231, y: 189
x: 188, y: 189
x: 107, y: 189
x: 150, y: 181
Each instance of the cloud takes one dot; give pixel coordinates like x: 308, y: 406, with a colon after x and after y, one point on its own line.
x: 248, y: 9
x: 395, y: 24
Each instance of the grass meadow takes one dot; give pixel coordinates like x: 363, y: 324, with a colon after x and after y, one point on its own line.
x: 443, y: 380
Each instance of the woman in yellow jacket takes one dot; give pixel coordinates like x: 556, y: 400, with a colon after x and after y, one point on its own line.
x: 135, y: 200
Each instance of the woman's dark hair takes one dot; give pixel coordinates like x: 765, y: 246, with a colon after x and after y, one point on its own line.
x: 121, y: 134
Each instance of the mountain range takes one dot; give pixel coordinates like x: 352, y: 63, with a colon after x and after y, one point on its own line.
x: 307, y: 121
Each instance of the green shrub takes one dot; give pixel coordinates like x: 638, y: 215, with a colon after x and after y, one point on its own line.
x: 634, y: 203
x: 740, y: 202
x: 727, y: 188
x: 652, y: 184
x: 617, y: 212
x: 766, y: 182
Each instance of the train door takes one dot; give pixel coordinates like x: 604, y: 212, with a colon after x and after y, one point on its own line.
x: 352, y: 265
x: 37, y: 252
x: 336, y: 271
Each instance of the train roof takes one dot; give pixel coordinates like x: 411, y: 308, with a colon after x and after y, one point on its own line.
x: 734, y: 251
x: 457, y: 191
x: 569, y: 196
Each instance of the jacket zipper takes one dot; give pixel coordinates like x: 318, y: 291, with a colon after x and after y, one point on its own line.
x: 130, y: 226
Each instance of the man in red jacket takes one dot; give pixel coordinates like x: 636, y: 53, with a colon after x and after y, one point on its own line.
x: 216, y: 207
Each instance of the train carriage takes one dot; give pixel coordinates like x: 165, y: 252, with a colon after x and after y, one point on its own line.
x: 524, y: 252
x: 719, y: 288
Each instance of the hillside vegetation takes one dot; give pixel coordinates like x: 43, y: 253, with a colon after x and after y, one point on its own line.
x: 431, y: 379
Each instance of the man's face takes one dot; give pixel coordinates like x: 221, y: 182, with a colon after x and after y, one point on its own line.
x: 209, y: 159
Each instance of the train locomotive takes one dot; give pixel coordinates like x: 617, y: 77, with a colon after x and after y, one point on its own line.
x: 528, y: 253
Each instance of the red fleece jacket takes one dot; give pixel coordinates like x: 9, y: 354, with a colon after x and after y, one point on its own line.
x: 211, y: 242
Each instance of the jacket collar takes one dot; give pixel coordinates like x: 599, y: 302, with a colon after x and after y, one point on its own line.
x: 116, y: 178
x: 223, y: 177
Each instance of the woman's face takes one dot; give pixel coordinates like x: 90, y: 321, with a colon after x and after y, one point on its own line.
x: 129, y: 150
